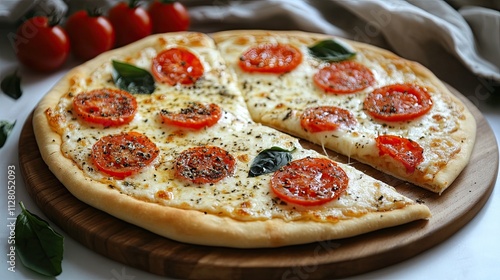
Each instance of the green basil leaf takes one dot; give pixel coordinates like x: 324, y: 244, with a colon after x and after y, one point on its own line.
x: 269, y: 160
x: 11, y: 85
x: 39, y: 247
x: 5, y: 129
x: 330, y: 51
x: 132, y: 79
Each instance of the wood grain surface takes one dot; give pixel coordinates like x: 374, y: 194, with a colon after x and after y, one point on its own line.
x: 142, y: 249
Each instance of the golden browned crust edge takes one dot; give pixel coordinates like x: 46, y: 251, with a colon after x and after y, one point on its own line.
x: 445, y: 177
x: 188, y: 225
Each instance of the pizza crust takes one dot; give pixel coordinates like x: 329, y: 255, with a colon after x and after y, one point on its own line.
x: 190, y: 226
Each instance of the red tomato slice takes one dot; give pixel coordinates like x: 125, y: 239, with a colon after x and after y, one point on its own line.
x: 399, y: 102
x: 326, y: 118
x: 309, y: 181
x: 107, y: 107
x: 124, y: 154
x: 344, y: 77
x: 207, y: 164
x: 177, y: 66
x: 404, y: 150
x: 195, y: 116
x: 270, y: 58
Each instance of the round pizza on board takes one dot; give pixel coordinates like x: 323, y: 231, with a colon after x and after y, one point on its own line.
x: 358, y: 100
x: 167, y: 134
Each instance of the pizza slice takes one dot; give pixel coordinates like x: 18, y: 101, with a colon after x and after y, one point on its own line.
x: 355, y: 99
x: 182, y: 157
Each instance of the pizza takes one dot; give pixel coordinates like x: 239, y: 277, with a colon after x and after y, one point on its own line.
x: 177, y: 134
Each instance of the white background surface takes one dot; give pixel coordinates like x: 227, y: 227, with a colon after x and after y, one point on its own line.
x: 472, y: 253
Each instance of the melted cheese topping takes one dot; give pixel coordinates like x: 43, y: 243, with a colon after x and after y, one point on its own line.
x: 237, y: 196
x: 279, y: 100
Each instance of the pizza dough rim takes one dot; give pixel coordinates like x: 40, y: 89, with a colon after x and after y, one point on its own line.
x: 191, y: 226
x: 445, y: 177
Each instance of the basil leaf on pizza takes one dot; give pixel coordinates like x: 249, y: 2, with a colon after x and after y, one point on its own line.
x: 331, y: 51
x: 132, y: 79
x: 39, y: 247
x: 269, y: 160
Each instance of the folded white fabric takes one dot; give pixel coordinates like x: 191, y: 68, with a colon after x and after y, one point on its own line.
x: 471, y: 34
x: 15, y: 10
x: 485, y: 25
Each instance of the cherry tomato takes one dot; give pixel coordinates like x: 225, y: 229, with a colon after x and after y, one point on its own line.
x: 41, y: 45
x: 121, y: 155
x: 196, y: 116
x: 309, y: 181
x: 204, y: 164
x: 168, y: 16
x: 404, y: 150
x: 326, y: 118
x: 270, y: 58
x: 177, y: 65
x: 130, y: 21
x: 107, y: 107
x: 344, y: 77
x: 398, y: 102
x: 89, y: 34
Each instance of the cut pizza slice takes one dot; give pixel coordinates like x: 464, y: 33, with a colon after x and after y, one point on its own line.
x: 187, y: 162
x: 355, y: 99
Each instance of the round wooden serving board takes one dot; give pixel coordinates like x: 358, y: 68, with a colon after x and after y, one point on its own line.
x: 142, y: 249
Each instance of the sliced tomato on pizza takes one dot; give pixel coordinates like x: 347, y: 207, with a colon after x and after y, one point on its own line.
x: 105, y: 106
x: 194, y: 116
x: 208, y: 157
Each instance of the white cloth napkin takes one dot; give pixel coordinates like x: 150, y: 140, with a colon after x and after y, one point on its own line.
x: 472, y: 35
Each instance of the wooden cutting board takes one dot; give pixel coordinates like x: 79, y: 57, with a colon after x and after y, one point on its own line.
x: 142, y: 249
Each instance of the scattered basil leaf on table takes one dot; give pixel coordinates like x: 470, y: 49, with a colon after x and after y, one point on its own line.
x: 331, y: 51
x: 39, y: 247
x: 132, y: 78
x: 269, y: 160
x: 11, y: 85
x: 5, y: 129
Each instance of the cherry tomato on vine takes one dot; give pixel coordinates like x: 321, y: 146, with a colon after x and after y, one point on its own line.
x: 90, y: 34
x: 130, y: 21
x: 270, y: 58
x: 41, y: 44
x: 168, y: 16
